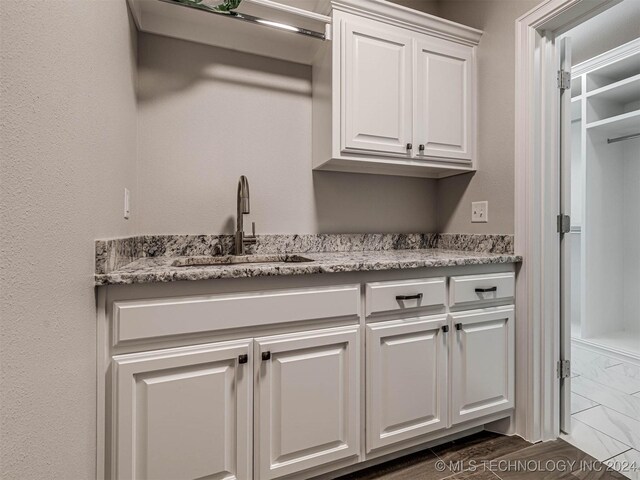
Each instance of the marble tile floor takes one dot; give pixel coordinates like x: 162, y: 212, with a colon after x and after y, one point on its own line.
x: 605, y: 410
x: 489, y: 456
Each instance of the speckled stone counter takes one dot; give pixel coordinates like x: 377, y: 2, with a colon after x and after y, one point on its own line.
x: 138, y: 260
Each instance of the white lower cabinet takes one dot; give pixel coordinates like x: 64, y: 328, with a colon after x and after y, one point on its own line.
x: 183, y: 413
x: 306, y: 400
x: 406, y: 379
x: 482, y: 357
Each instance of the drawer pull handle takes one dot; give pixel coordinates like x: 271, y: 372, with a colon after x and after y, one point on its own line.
x: 243, y: 358
x: 486, y: 290
x: 266, y: 355
x: 409, y: 146
x: 458, y: 326
x: 417, y: 296
x: 445, y: 328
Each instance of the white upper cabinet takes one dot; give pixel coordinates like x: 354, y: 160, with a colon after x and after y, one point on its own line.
x: 377, y: 81
x: 445, y: 100
x: 395, y: 93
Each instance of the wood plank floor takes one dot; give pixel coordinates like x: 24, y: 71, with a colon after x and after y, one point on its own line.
x: 489, y: 456
x: 605, y: 409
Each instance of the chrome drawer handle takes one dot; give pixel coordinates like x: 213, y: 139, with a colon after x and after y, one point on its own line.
x: 486, y: 290
x: 417, y: 296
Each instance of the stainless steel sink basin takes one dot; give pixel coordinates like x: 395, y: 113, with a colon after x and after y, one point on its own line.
x: 205, y: 261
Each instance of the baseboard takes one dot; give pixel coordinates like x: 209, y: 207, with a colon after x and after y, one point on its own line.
x: 622, y: 355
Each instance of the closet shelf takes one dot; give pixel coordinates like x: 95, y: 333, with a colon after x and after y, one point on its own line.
x: 177, y: 20
x: 625, y: 124
x: 621, y: 92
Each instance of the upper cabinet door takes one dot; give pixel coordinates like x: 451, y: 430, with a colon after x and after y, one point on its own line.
x: 482, y: 363
x: 376, y: 88
x: 406, y: 379
x: 306, y: 400
x: 444, y: 119
x: 183, y: 413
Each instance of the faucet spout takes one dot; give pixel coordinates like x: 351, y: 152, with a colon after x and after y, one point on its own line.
x: 243, y: 195
x: 243, y: 208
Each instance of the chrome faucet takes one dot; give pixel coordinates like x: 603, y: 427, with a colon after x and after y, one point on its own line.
x: 243, y: 208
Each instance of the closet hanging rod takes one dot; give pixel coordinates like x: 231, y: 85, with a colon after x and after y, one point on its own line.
x: 624, y: 137
x: 252, y: 19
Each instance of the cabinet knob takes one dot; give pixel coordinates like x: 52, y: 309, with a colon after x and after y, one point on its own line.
x: 266, y: 355
x: 409, y: 146
x: 421, y: 147
x: 243, y: 358
x: 458, y: 326
x: 445, y: 328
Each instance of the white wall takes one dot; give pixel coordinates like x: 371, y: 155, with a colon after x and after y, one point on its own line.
x: 68, y: 136
x: 613, y: 27
x: 208, y: 115
x: 494, y: 180
x: 631, y: 236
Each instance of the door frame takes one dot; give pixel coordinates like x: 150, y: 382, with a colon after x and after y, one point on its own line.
x: 537, y: 203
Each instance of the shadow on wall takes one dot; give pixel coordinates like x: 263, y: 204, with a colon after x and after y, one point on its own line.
x: 361, y: 203
x: 450, y: 195
x: 206, y: 63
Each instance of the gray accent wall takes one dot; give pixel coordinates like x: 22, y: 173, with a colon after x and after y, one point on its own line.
x: 68, y: 148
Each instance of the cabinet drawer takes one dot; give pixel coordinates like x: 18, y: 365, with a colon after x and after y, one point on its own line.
x: 135, y: 320
x: 389, y: 296
x: 481, y: 288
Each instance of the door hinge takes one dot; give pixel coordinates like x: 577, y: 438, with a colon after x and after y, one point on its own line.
x: 564, y: 369
x: 564, y: 80
x: 564, y: 223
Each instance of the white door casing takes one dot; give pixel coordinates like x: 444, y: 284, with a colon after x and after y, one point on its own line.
x: 376, y: 105
x: 183, y: 413
x: 407, y: 381
x: 306, y: 400
x: 565, y: 240
x: 482, y: 362
x: 443, y: 126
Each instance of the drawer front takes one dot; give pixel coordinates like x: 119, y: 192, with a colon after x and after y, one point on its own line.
x: 464, y: 290
x: 389, y: 296
x: 136, y: 320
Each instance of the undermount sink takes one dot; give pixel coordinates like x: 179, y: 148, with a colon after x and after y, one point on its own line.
x: 204, y: 261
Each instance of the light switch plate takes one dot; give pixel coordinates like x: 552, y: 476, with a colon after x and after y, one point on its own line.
x: 479, y: 212
x: 127, y: 204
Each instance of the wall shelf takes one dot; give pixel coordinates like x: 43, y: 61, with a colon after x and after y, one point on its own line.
x: 625, y: 124
x: 167, y: 18
x: 622, y: 92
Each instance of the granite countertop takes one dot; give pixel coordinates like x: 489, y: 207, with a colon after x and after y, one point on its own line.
x: 161, y: 269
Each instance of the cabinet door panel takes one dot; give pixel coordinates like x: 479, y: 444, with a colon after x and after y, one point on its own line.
x: 482, y: 363
x: 444, y: 88
x: 406, y: 379
x: 183, y: 413
x: 307, y: 397
x: 376, y: 101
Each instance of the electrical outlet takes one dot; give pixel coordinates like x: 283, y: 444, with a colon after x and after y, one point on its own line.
x: 479, y: 212
x: 127, y: 204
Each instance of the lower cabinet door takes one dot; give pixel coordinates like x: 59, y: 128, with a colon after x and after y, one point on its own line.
x: 183, y: 413
x: 482, y: 362
x: 406, y: 379
x: 306, y: 399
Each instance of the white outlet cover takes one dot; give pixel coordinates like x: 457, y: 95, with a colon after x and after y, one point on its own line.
x: 480, y: 212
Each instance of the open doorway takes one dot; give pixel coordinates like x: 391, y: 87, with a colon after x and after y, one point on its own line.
x: 600, y: 250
